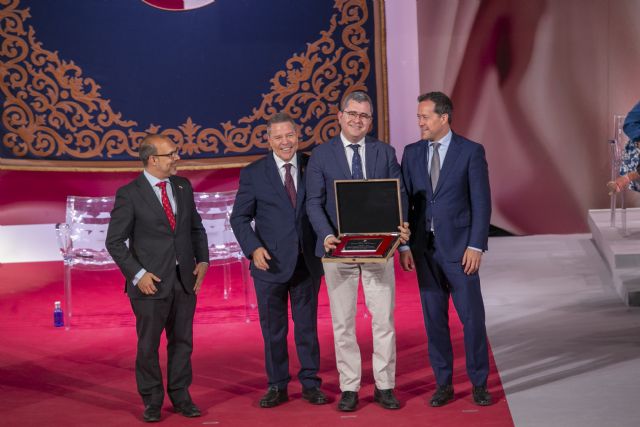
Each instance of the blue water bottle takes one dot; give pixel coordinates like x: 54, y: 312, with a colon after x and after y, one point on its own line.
x: 58, y: 317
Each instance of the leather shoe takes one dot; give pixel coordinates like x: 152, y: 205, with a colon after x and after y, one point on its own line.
x: 385, y: 398
x: 481, y: 396
x: 348, y: 401
x: 442, y: 396
x: 187, y: 408
x: 151, y: 414
x: 314, y: 395
x: 273, y: 397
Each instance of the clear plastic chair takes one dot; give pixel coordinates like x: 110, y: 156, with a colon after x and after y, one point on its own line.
x: 617, y: 152
x: 224, y: 250
x: 81, y: 239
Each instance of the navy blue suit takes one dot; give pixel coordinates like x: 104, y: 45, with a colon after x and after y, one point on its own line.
x: 329, y: 163
x: 285, y: 232
x: 460, y: 208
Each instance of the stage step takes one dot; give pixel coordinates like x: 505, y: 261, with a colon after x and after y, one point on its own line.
x: 621, y: 251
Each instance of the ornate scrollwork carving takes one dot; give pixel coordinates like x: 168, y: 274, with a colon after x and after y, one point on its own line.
x: 54, y: 112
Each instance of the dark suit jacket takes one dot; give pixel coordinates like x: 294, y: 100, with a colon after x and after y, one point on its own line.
x: 461, y: 203
x: 328, y: 163
x: 138, y: 216
x: 279, y: 228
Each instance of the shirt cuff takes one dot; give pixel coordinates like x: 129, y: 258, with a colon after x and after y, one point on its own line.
x: 475, y: 249
x: 328, y: 235
x: 138, y: 276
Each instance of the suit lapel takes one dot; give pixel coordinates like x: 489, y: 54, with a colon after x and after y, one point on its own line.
x: 341, y: 158
x: 370, y: 158
x: 450, y: 159
x: 273, y: 177
x: 422, y: 167
x: 178, y: 194
x: 301, y: 190
x: 149, y: 196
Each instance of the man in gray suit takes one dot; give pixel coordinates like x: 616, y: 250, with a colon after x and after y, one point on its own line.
x: 164, y: 265
x: 352, y: 155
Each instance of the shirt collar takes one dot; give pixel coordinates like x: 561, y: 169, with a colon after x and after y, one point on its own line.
x: 280, y: 163
x: 347, y: 143
x: 152, y: 179
x: 445, y: 140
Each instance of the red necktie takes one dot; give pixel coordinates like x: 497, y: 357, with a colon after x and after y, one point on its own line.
x: 288, y: 184
x: 166, y: 205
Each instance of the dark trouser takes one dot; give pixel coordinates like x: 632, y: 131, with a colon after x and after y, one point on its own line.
x: 274, y: 321
x: 175, y: 315
x: 438, y: 279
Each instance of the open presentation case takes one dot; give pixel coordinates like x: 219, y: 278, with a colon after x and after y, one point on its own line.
x: 369, y: 213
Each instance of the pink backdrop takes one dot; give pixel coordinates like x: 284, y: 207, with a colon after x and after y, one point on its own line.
x: 537, y: 82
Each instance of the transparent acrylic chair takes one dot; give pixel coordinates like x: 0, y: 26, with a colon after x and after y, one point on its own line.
x: 215, y: 210
x: 81, y: 239
x: 621, y: 160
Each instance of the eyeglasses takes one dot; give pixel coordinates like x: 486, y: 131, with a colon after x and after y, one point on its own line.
x: 173, y: 154
x: 354, y: 115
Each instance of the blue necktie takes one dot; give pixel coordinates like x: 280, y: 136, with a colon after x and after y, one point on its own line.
x: 356, y: 163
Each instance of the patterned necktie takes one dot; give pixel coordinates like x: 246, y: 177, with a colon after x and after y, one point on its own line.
x: 356, y: 163
x: 435, y: 165
x: 288, y: 184
x: 166, y: 205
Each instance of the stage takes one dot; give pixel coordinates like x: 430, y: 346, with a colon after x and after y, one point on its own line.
x: 565, y: 350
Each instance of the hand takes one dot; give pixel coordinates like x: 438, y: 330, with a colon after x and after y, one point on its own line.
x: 199, y: 272
x: 617, y: 185
x: 471, y: 261
x: 146, y: 283
x: 260, y: 257
x: 406, y: 261
x: 330, y: 243
x: 404, y: 233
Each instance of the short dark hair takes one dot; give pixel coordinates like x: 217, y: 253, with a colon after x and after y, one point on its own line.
x: 357, y: 96
x: 148, y: 148
x: 442, y: 101
x: 280, y: 117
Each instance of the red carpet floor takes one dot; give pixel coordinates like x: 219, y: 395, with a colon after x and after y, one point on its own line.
x: 85, y: 376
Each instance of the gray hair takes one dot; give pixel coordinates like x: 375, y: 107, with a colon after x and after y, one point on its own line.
x: 357, y: 96
x: 281, y: 117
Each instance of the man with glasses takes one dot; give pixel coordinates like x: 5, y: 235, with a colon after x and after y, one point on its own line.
x: 284, y: 267
x: 353, y: 155
x: 164, y: 265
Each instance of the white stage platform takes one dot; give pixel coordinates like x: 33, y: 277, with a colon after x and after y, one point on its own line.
x: 621, y: 251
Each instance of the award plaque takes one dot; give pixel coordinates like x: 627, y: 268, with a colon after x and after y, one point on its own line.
x: 369, y: 213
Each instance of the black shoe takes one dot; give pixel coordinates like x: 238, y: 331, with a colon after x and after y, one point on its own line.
x: 187, y: 408
x: 481, y: 396
x: 314, y: 395
x: 348, y: 401
x: 442, y: 396
x: 385, y: 398
x: 151, y: 414
x: 273, y: 397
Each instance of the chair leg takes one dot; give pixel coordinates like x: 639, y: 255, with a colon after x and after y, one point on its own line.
x: 67, y: 295
x: 250, y: 302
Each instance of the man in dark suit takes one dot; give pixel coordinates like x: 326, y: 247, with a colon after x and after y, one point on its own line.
x: 272, y: 194
x: 449, y: 213
x: 351, y: 155
x: 164, y: 265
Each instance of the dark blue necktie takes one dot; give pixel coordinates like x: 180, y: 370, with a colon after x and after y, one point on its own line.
x: 356, y: 163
